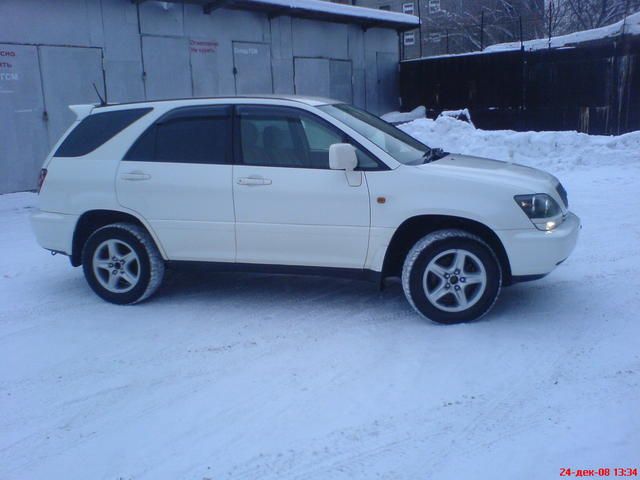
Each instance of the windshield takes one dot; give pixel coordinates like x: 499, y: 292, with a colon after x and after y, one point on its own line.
x: 404, y: 148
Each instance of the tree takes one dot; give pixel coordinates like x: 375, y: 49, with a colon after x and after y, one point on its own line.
x: 587, y: 14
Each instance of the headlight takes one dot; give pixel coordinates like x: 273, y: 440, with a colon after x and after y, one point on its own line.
x: 544, y: 211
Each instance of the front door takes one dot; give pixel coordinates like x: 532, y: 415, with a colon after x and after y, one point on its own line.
x: 290, y: 208
x: 177, y: 176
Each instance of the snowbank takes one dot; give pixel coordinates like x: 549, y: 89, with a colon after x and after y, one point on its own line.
x: 554, y: 151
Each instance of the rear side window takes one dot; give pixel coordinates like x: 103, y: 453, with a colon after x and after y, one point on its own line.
x: 187, y: 135
x: 96, y: 129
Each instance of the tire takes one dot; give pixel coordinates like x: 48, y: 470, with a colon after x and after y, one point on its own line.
x: 451, y: 276
x: 138, y: 268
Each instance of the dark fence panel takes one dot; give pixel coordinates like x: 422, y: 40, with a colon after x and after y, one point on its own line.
x: 590, y: 88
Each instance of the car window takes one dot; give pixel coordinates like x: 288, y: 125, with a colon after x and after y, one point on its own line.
x: 320, y: 137
x: 272, y: 137
x: 282, y: 137
x: 188, y: 135
x: 97, y: 129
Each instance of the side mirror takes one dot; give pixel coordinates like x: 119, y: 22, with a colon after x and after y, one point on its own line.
x: 342, y: 156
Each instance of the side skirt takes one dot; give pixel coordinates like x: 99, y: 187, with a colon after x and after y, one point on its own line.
x: 351, y: 273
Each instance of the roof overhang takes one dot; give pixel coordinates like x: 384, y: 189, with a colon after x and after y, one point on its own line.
x: 316, y: 10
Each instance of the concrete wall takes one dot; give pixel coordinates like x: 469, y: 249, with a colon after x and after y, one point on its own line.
x: 51, y: 57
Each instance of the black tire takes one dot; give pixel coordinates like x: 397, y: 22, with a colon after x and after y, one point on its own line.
x: 480, y: 286
x: 146, y: 266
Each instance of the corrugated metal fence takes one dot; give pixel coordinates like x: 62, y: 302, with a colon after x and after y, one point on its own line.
x: 593, y: 88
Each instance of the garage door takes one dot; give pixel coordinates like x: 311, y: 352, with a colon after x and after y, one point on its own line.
x: 252, y: 68
x: 68, y: 76
x: 23, y: 132
x: 166, y: 67
x: 323, y: 77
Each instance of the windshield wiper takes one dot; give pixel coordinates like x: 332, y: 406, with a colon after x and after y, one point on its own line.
x: 433, y: 154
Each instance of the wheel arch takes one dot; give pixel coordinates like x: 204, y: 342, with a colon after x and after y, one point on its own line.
x: 414, y: 228
x: 92, y: 220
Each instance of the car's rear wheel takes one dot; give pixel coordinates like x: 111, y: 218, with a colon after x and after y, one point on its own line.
x: 122, y: 263
x: 451, y: 276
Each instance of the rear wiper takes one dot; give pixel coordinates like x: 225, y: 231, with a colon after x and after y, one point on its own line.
x: 433, y: 154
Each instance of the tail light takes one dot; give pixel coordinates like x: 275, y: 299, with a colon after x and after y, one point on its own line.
x: 41, y: 177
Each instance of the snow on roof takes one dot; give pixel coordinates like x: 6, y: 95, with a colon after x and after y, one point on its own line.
x: 629, y: 26
x: 338, y: 9
x: 316, y: 9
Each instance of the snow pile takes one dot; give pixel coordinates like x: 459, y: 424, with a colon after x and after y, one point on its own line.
x: 463, y: 115
x: 554, y: 151
x: 630, y: 25
x: 401, y: 117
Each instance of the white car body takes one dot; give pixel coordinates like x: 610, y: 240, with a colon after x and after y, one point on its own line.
x: 296, y: 217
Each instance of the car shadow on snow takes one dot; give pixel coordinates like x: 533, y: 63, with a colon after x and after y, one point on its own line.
x: 256, y: 292
x: 324, y: 296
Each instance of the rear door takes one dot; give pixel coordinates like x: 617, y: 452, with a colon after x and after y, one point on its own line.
x: 177, y: 176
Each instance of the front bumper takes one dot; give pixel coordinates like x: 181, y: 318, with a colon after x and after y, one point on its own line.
x: 533, y: 252
x: 54, y: 231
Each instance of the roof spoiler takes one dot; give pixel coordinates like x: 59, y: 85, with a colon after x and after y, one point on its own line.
x: 82, y: 111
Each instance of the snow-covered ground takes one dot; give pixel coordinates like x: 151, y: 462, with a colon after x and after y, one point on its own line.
x: 241, y: 376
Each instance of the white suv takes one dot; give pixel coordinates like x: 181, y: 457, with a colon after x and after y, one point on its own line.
x: 293, y: 184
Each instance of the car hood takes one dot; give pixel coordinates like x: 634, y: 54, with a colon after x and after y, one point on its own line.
x: 523, y: 179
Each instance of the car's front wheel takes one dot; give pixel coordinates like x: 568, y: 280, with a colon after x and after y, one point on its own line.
x: 451, y: 276
x: 122, y: 263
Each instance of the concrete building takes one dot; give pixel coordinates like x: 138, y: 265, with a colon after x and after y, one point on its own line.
x: 53, y: 53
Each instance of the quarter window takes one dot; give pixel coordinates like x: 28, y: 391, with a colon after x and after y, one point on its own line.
x: 97, y: 129
x: 188, y: 135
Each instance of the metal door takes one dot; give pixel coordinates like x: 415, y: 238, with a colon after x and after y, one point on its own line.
x: 204, y: 67
x: 312, y: 77
x: 323, y: 77
x: 252, y: 68
x: 23, y: 132
x: 387, y: 91
x: 340, y: 81
x: 68, y: 76
x: 167, y: 71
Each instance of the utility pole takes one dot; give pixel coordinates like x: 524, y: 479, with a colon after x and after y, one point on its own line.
x: 521, y: 40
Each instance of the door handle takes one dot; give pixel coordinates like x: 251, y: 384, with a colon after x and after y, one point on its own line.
x: 253, y: 181
x: 135, y: 176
